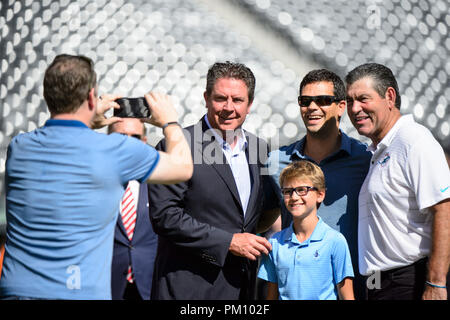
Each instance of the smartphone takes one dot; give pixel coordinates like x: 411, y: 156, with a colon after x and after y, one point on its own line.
x: 132, y: 108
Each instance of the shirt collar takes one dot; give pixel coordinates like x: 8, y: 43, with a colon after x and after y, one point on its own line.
x: 299, y: 147
x: 387, y: 140
x: 317, y: 234
x: 242, y: 140
x: 66, y: 123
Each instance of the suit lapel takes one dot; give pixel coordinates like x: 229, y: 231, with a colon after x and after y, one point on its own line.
x: 120, y: 221
x: 255, y: 181
x: 254, y: 173
x: 142, y: 208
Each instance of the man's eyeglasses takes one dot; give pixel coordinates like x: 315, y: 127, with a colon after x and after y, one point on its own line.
x: 300, y: 191
x: 321, y: 101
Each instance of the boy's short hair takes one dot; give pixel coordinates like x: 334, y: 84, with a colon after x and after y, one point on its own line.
x: 304, y: 169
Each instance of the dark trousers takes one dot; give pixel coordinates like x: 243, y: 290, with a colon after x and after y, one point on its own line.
x: 404, y: 283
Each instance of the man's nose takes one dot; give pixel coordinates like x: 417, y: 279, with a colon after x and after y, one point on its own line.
x: 229, y: 105
x: 313, y: 105
x: 354, y: 107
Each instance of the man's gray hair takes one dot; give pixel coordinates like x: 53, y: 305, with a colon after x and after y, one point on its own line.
x: 382, y: 77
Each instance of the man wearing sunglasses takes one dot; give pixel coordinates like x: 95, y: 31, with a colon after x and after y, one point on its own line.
x: 344, y: 160
x: 404, y: 204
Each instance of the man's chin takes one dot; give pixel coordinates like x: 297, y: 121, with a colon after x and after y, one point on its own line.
x: 363, y: 131
x: 314, y: 129
x: 224, y: 127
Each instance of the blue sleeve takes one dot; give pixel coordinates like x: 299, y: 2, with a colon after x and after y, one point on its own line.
x: 135, y: 159
x: 155, y: 162
x: 267, y: 270
x: 341, y: 260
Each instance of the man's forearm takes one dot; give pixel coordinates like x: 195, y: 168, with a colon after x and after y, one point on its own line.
x: 175, y: 163
x: 440, y: 252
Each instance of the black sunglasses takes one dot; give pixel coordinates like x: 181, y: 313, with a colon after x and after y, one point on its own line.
x: 321, y: 101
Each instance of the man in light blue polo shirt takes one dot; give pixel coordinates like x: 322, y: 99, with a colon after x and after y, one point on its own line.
x: 344, y: 160
x: 64, y: 183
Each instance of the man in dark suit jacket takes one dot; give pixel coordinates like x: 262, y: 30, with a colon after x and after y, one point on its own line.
x: 140, y: 251
x: 207, y: 246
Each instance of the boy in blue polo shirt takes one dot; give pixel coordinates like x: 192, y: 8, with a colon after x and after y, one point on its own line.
x: 309, y: 260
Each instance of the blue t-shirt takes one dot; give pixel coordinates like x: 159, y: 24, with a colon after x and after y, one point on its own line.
x: 64, y: 183
x: 309, y: 270
x: 344, y: 173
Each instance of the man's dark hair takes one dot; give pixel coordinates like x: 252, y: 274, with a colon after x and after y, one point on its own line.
x: 323, y: 75
x: 382, y: 78
x: 67, y: 83
x: 231, y: 70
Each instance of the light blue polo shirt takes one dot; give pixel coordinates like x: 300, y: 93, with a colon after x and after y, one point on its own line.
x: 344, y: 172
x: 64, y: 182
x: 309, y: 270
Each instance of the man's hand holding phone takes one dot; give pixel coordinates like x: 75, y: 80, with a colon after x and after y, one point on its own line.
x: 105, y: 103
x: 176, y: 159
x: 161, y: 108
x: 154, y: 108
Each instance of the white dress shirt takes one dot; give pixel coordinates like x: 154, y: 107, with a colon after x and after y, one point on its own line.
x: 237, y: 160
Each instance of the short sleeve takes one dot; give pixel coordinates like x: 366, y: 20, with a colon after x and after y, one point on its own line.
x: 135, y: 159
x: 428, y: 172
x: 267, y: 269
x: 342, y: 262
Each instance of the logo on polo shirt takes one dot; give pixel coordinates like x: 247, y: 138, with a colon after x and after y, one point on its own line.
x: 385, y: 159
x: 316, y: 254
x: 444, y: 189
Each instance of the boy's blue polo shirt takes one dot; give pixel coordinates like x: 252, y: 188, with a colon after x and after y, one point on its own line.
x: 309, y: 270
x: 344, y: 171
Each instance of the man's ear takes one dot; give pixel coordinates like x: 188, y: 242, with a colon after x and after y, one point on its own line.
x: 205, y: 96
x: 92, y: 99
x: 390, y: 97
x: 341, y: 107
x: 249, y: 107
